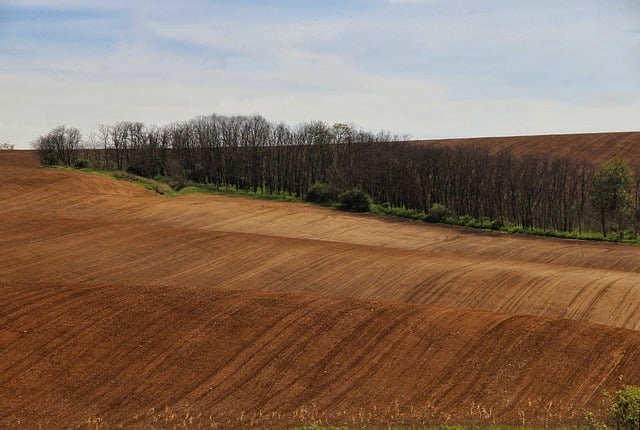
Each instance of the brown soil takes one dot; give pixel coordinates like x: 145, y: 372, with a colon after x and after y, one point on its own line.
x: 594, y: 147
x: 124, y: 307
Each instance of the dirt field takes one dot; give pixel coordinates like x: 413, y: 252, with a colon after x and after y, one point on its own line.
x: 594, y: 147
x: 119, y: 306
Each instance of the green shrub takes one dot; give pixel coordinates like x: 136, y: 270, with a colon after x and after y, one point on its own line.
x: 467, y: 221
x: 626, y: 408
x: 81, y: 163
x: 321, y: 193
x: 591, y: 423
x: 49, y: 157
x: 135, y: 170
x: 438, y: 213
x: 355, y: 200
x: 495, y: 224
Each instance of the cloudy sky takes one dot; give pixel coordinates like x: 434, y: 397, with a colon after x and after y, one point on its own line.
x: 426, y: 68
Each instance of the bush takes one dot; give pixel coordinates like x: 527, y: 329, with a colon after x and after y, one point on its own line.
x: 438, y: 213
x: 49, y: 157
x: 591, y: 423
x: 321, y: 193
x: 496, y: 224
x: 135, y: 170
x: 626, y: 408
x: 81, y: 163
x: 355, y: 200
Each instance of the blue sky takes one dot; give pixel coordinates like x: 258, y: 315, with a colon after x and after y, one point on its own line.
x: 425, y: 68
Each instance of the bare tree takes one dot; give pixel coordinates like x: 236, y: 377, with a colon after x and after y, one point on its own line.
x: 59, y: 146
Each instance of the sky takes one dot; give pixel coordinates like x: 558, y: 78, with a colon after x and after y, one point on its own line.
x: 422, y: 68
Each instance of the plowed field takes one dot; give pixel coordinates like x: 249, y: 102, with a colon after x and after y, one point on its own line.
x: 594, y: 147
x: 121, y: 307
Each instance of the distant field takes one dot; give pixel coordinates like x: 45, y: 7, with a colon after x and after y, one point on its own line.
x: 120, y: 306
x: 595, y: 147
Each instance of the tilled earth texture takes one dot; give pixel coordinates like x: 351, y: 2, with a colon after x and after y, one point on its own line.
x: 120, y: 308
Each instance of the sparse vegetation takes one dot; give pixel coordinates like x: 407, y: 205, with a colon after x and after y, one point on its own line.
x: 81, y: 163
x: 624, y: 412
x: 354, y: 200
x: 149, y: 184
x: 625, y: 408
x: 438, y: 213
x: 322, y: 194
x: 463, y: 185
x: 443, y: 427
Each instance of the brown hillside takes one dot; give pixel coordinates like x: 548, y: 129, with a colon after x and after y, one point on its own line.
x: 135, y: 356
x: 74, y: 228
x: 131, y: 308
x: 595, y: 147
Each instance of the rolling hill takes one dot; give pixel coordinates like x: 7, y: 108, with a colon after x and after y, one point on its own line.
x: 122, y: 307
x: 594, y: 147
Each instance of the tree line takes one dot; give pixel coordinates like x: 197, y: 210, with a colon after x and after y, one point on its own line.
x: 250, y: 153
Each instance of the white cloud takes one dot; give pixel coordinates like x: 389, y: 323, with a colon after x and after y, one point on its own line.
x: 413, y: 1
x: 66, y: 4
x: 499, y: 71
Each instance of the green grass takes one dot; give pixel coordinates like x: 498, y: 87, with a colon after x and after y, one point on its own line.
x: 487, y: 224
x: 164, y: 187
x: 149, y: 184
x: 228, y: 190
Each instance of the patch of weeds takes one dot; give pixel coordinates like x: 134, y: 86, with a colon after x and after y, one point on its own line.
x: 149, y: 184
